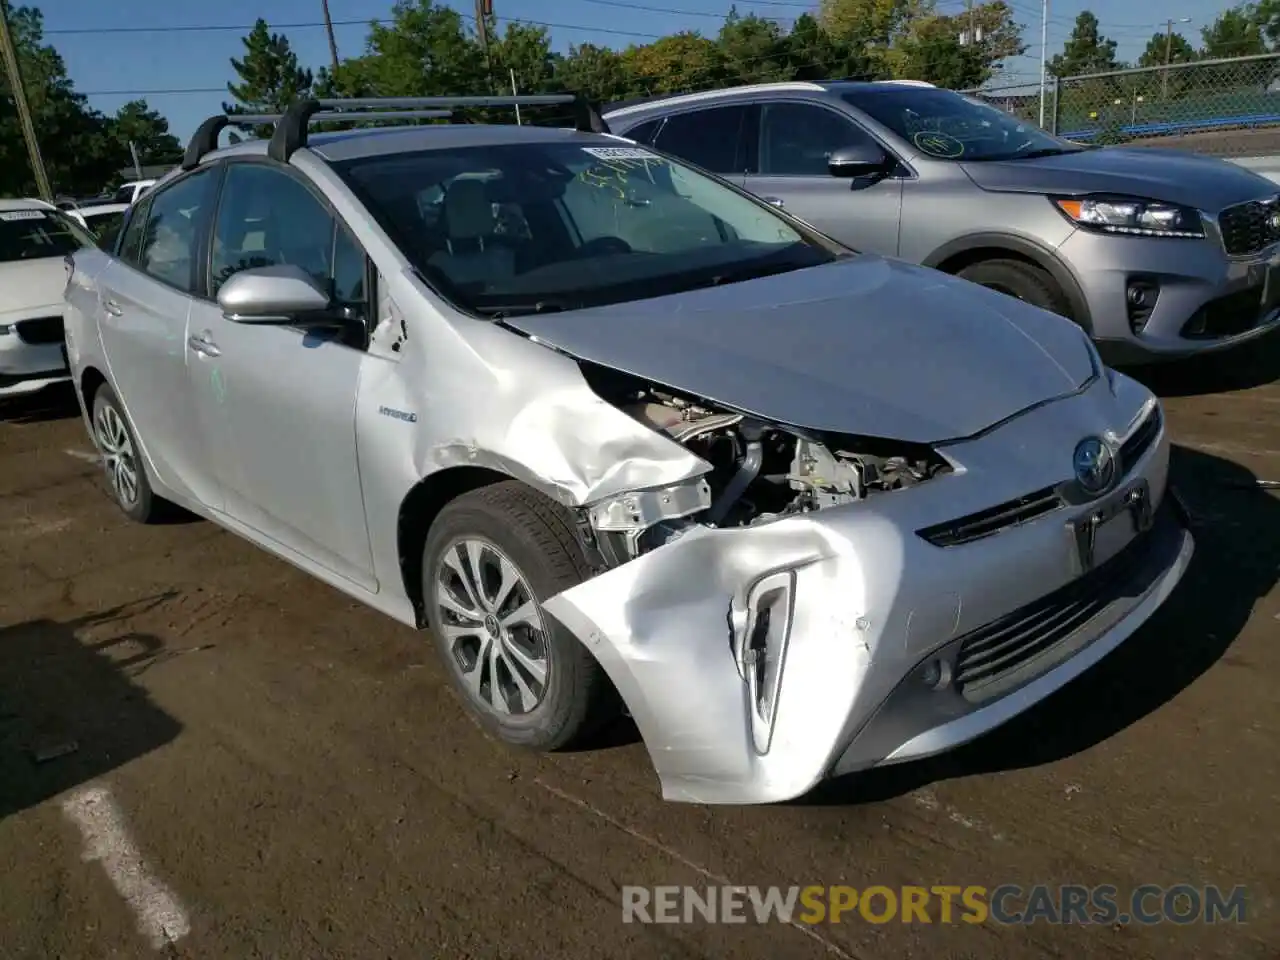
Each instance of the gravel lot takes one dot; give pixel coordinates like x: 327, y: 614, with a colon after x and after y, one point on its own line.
x: 267, y: 770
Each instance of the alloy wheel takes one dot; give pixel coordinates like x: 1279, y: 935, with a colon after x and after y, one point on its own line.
x: 118, y: 458
x: 492, y: 626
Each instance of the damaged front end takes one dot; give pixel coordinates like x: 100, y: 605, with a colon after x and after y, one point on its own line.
x: 782, y: 617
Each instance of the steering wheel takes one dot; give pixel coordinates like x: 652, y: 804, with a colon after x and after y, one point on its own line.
x: 604, y: 246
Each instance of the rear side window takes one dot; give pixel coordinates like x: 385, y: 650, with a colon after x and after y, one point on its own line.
x: 644, y: 132
x: 710, y: 138
x: 35, y: 234
x: 131, y: 245
x: 171, y: 241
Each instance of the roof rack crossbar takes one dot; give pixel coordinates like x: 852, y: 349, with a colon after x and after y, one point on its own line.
x: 291, y: 126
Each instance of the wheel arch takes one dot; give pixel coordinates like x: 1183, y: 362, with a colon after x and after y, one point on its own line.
x: 962, y: 252
x: 91, y: 381
x: 418, y: 511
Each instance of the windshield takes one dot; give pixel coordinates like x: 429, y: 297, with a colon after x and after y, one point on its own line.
x: 32, y: 234
x: 948, y: 126
x: 559, y: 226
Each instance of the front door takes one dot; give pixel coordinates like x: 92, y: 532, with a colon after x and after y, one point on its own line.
x: 796, y: 139
x: 145, y: 298
x: 277, y: 403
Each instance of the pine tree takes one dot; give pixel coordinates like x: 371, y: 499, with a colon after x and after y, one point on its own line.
x: 270, y: 78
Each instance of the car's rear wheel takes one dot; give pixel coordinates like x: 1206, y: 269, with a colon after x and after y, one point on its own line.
x: 121, y: 460
x: 492, y: 556
x: 1024, y: 281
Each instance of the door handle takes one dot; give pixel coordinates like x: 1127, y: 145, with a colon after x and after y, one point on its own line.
x: 774, y: 201
x: 112, y: 308
x: 203, y: 346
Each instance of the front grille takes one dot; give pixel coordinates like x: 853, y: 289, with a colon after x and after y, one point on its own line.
x: 995, y: 659
x: 41, y: 330
x: 1140, y: 441
x: 984, y: 523
x: 1247, y: 228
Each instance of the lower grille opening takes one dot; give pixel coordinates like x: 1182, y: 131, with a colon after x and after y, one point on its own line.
x: 1011, y: 651
x: 40, y: 330
x: 1227, y: 316
x: 984, y: 523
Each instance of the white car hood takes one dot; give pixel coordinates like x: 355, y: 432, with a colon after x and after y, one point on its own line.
x: 27, y: 285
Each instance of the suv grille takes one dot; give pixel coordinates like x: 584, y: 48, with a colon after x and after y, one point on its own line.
x: 995, y: 659
x: 1246, y: 228
x: 41, y: 330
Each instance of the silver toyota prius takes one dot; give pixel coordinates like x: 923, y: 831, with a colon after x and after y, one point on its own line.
x: 621, y: 436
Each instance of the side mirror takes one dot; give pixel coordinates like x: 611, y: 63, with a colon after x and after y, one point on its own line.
x: 280, y: 294
x: 863, y: 160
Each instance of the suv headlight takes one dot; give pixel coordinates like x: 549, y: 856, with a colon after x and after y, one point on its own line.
x: 1126, y: 215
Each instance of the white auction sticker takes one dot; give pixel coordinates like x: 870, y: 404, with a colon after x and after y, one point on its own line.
x: 22, y: 215
x: 621, y: 153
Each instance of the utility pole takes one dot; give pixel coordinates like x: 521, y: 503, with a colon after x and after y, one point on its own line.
x: 1168, y: 54
x: 20, y: 104
x: 1044, y: 58
x: 484, y: 10
x: 333, y: 43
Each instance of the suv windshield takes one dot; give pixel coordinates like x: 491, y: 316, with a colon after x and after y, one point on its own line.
x: 949, y: 126
x: 558, y: 226
x: 33, y: 234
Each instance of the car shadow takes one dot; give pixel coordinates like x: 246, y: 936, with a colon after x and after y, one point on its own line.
x: 57, y: 402
x: 69, y: 709
x: 1241, y: 368
x: 1237, y: 560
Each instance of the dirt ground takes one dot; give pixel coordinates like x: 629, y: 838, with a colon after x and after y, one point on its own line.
x: 260, y: 768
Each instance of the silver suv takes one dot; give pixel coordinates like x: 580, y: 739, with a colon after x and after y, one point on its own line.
x: 615, y: 430
x: 1156, y: 253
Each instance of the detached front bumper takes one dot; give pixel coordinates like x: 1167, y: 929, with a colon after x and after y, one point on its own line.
x: 892, y: 639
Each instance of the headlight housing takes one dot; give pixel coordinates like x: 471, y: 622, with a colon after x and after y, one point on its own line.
x: 1128, y: 215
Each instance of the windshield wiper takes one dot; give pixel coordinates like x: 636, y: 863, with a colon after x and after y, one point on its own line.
x: 1044, y: 152
x: 518, y: 309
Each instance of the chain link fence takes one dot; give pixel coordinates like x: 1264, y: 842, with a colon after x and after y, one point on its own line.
x: 1218, y: 107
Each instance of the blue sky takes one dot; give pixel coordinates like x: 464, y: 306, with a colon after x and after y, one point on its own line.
x: 112, y: 67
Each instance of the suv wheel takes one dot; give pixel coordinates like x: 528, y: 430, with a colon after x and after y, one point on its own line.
x: 1025, y: 281
x: 122, y: 460
x: 491, y: 558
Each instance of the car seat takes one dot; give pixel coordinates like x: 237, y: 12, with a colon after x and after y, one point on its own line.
x: 471, y: 255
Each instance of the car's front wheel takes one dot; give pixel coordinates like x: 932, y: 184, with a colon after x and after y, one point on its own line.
x: 121, y: 459
x: 492, y: 556
x: 1024, y: 281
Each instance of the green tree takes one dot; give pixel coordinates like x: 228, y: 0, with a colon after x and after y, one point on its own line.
x: 1238, y: 32
x: 598, y: 73
x: 270, y: 77
x: 424, y: 51
x: 78, y: 154
x: 1165, y: 48
x: 678, y: 63
x: 138, y: 124
x: 752, y: 49
x: 1086, y: 50
x: 814, y: 54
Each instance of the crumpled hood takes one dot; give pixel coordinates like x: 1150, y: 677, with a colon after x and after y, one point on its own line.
x: 1204, y: 183
x: 871, y: 346
x: 30, y: 284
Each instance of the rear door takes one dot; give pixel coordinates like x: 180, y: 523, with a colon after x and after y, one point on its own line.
x: 796, y: 139
x: 142, y: 316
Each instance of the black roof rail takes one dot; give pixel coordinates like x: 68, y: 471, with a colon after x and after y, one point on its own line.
x: 291, y: 126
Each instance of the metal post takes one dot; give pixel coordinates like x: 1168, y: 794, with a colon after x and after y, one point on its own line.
x: 20, y: 104
x: 1168, y: 53
x: 514, y: 93
x: 1044, y: 54
x: 333, y: 43
x: 137, y: 163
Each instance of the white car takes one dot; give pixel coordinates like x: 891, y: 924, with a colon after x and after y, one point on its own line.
x: 103, y: 220
x: 34, y: 238
x: 130, y: 191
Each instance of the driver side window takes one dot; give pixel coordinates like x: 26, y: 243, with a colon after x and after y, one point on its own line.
x: 796, y: 139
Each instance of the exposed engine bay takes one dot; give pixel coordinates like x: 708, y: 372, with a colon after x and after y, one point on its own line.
x: 761, y: 471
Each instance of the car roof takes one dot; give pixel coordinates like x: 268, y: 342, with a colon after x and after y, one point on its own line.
x: 97, y: 209
x: 386, y: 141
x: 645, y: 104
x: 23, y: 203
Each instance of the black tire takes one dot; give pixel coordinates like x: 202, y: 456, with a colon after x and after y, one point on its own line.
x: 538, y: 537
x: 144, y: 506
x: 1024, y: 281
